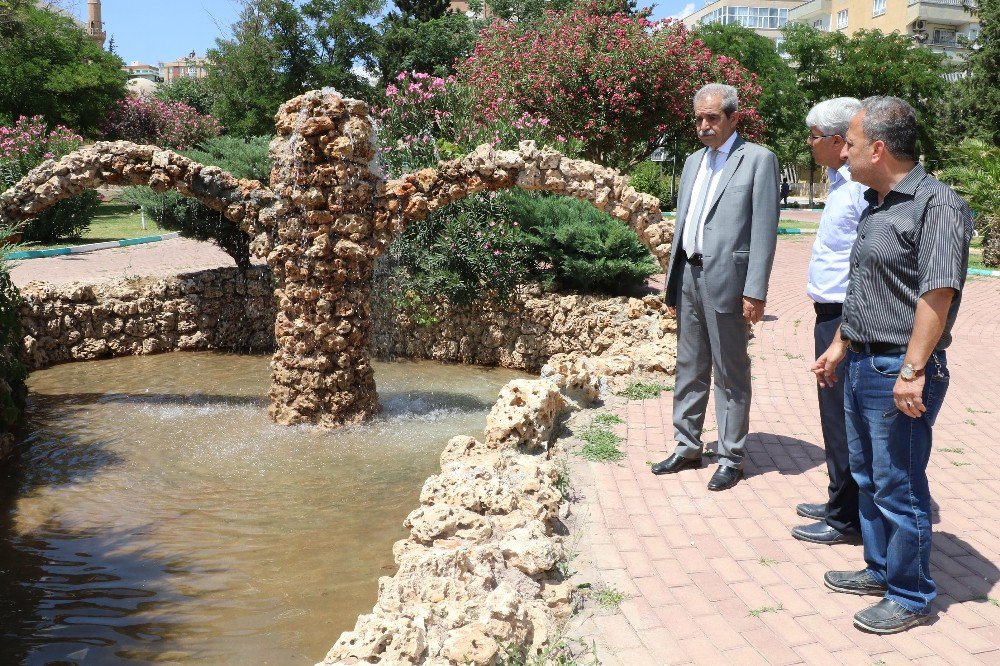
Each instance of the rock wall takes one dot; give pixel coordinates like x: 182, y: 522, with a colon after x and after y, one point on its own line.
x: 222, y: 309
x: 530, y: 329
x: 217, y: 309
x: 477, y: 574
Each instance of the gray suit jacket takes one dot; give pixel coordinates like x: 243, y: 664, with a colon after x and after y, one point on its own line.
x: 740, y: 229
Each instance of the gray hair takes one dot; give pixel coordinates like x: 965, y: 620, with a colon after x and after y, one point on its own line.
x: 833, y: 116
x: 892, y: 121
x: 728, y: 95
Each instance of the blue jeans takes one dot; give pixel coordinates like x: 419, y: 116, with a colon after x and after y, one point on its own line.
x: 888, y: 456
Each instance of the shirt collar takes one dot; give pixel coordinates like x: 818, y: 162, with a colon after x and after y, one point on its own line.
x: 728, y: 145
x: 907, y: 185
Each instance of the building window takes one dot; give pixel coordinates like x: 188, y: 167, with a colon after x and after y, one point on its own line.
x: 767, y: 18
x: 841, y: 19
x: 879, y: 8
x: 945, y: 37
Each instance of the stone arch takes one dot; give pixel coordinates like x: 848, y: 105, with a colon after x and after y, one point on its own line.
x: 126, y: 163
x: 327, y: 216
x: 414, y: 196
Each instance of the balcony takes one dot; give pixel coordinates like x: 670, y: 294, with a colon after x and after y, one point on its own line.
x: 939, y: 12
x: 811, y: 11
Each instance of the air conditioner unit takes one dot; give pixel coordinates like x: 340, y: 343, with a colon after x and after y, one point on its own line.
x: 919, y: 25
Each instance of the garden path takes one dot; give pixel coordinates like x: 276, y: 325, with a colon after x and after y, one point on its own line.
x: 159, y: 259
x: 716, y: 578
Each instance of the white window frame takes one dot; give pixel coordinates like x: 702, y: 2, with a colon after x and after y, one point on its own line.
x: 878, y: 8
x: 841, y: 19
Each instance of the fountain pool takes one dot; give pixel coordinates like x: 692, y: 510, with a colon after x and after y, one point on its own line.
x: 156, y: 513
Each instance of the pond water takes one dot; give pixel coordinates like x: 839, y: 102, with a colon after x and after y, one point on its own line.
x: 157, y: 515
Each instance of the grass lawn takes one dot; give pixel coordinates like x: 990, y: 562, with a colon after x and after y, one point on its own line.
x: 976, y: 255
x: 113, y: 221
x: 797, y: 224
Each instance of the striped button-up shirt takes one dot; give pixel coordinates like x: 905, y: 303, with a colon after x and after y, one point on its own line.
x: 916, y: 240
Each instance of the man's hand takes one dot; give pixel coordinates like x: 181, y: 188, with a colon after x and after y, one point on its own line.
x: 825, y: 367
x: 672, y: 311
x: 909, y: 396
x: 753, y: 310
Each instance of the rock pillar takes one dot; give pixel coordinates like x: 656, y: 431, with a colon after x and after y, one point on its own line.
x: 323, y: 258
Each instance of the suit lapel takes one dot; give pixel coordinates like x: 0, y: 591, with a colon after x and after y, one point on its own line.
x: 732, y: 163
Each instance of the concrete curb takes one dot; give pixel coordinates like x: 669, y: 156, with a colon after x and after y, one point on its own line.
x: 79, y: 249
x: 792, y: 231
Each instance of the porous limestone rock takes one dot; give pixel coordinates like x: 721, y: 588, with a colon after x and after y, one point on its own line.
x: 525, y: 414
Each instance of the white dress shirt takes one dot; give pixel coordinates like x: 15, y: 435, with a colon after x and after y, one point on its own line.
x: 830, y: 266
x: 713, y: 176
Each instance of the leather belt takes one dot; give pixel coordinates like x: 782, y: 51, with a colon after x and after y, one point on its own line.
x: 829, y: 308
x: 693, y: 259
x: 877, y: 348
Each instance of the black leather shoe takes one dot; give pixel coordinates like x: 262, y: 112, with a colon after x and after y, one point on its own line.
x: 675, y: 463
x: 853, y: 582
x: 814, y: 511
x: 725, y: 478
x: 887, y: 617
x: 822, y: 533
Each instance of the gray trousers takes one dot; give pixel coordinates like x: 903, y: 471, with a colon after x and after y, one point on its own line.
x: 710, y: 344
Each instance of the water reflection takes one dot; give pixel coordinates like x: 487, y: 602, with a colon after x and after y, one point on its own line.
x: 156, y: 514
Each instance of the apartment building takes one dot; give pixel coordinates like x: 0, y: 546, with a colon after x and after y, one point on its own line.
x: 191, y: 66
x: 939, y: 25
x: 765, y: 17
x: 140, y: 70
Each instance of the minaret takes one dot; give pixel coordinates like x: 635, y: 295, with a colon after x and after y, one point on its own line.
x: 95, y: 26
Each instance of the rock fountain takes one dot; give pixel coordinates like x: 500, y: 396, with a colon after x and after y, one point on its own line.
x: 326, y: 217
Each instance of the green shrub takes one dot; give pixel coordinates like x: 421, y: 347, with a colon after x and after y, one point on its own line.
x: 974, y: 172
x: 13, y: 392
x: 648, y: 177
x: 243, y: 158
x: 462, y: 252
x: 575, y: 246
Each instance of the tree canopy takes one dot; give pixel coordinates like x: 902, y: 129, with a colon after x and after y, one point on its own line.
x: 782, y: 105
x: 52, y: 68
x: 279, y: 50
x: 974, y: 102
x: 869, y: 62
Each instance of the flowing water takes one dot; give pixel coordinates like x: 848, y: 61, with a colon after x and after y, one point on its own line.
x: 157, y: 515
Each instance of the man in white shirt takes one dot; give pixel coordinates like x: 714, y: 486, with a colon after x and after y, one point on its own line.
x: 717, y: 277
x: 836, y: 519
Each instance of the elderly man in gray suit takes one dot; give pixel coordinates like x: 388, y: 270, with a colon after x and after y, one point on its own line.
x: 720, y: 263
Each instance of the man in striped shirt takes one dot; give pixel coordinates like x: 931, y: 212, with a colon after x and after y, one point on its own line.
x: 908, y: 269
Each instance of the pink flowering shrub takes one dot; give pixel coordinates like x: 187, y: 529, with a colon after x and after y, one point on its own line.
x: 614, y: 83
x: 29, y: 142
x: 166, y: 124
x: 25, y: 145
x: 425, y: 119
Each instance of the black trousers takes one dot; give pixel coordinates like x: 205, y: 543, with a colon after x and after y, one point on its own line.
x: 842, y: 504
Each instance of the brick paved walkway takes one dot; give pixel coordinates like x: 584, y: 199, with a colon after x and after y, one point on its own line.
x: 696, y: 563
x: 160, y: 259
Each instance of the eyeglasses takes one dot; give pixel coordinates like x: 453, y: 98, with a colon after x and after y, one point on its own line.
x: 812, y: 138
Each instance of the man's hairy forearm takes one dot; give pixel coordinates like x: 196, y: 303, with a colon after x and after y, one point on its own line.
x: 928, y: 325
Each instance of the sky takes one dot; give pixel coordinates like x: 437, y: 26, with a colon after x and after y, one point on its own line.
x: 154, y: 31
